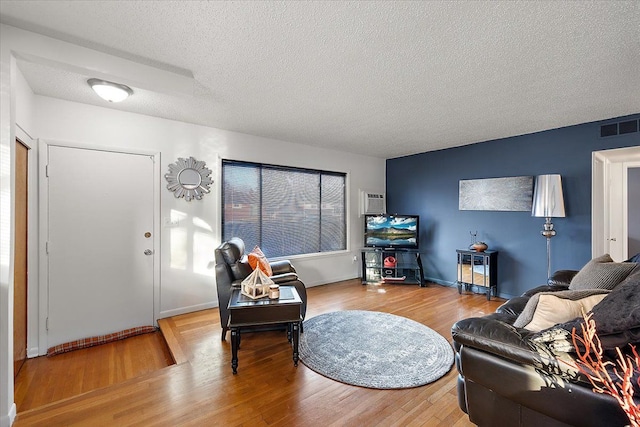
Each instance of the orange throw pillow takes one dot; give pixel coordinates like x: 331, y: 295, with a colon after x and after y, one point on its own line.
x: 258, y: 260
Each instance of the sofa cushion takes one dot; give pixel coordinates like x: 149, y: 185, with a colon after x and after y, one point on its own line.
x: 230, y: 252
x: 513, y: 307
x: 601, y: 273
x: 547, y: 309
x: 551, y: 287
x: 240, y: 269
x: 495, y: 337
x: 257, y: 259
x: 635, y: 258
x: 617, y: 319
x: 561, y: 278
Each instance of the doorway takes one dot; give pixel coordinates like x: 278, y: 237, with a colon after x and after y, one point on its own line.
x: 610, y: 201
x: 100, y: 241
x: 20, y: 258
x: 633, y: 195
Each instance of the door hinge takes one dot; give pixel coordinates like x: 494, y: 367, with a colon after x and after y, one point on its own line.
x: 47, y: 324
x: 46, y: 248
x: 46, y: 171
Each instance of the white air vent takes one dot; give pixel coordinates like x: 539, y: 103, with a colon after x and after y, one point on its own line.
x: 373, y: 203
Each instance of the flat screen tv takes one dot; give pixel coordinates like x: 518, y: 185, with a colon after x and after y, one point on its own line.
x: 391, y: 231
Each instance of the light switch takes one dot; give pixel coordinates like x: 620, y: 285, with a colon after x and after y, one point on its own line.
x: 169, y: 222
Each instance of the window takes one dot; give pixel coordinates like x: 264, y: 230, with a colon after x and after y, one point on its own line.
x: 285, y: 211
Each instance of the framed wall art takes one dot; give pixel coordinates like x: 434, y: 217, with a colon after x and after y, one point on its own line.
x: 496, y: 194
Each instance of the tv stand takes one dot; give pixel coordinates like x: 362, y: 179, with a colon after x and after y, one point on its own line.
x: 406, y: 270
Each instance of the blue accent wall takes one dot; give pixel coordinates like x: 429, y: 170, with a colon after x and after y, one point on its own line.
x: 427, y: 184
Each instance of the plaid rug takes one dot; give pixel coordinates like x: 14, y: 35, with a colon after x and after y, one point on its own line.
x: 102, y: 339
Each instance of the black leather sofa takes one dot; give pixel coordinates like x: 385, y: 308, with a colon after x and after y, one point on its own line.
x: 232, y: 267
x: 505, y: 381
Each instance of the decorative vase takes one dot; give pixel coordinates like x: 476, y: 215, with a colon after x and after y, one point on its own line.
x: 479, y: 246
x: 389, y: 262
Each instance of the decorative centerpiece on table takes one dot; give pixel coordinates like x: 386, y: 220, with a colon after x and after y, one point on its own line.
x: 256, y: 285
x: 477, y: 245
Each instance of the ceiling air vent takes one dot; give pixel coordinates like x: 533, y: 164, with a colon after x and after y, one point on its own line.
x: 620, y: 128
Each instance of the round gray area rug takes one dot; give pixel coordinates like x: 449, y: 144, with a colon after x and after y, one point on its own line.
x: 374, y: 349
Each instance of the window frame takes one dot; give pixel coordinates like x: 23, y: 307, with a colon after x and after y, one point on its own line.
x: 260, y: 167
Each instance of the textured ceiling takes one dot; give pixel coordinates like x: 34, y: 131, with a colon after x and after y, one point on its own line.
x: 385, y: 78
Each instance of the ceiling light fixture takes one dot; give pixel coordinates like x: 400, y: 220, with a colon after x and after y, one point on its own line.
x: 109, y: 91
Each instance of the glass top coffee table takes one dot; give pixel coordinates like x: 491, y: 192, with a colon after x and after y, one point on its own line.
x: 246, y: 312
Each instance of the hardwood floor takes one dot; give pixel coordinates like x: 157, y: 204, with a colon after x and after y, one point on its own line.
x: 43, y: 380
x: 268, y: 390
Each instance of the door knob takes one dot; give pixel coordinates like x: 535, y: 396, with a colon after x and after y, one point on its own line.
x: 148, y: 251
x: 613, y: 239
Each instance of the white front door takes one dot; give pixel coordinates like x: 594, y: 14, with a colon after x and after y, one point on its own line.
x: 100, y: 224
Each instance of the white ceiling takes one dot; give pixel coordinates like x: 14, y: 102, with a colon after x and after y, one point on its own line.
x: 385, y: 78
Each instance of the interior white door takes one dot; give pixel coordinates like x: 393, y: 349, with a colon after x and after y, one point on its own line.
x: 616, y: 215
x: 609, y: 201
x: 100, y: 220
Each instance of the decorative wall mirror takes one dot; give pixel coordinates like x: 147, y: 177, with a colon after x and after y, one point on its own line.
x: 188, y: 178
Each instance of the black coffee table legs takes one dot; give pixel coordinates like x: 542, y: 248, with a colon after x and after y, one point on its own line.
x: 293, y: 335
x: 296, y: 339
x: 235, y: 343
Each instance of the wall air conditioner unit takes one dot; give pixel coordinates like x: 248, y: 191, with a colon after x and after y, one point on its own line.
x: 373, y: 203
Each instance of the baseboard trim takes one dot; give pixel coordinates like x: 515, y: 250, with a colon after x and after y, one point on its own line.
x: 440, y: 281
x: 455, y: 284
x: 7, y: 420
x: 33, y: 352
x: 184, y: 310
x: 330, y: 280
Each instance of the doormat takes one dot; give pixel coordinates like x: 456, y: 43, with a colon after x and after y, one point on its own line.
x: 102, y: 339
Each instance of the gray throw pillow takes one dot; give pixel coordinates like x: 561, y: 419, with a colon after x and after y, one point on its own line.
x: 635, y: 258
x: 617, y: 319
x: 601, y: 273
x: 617, y: 316
x: 553, y: 312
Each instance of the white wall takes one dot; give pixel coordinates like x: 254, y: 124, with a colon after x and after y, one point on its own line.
x: 24, y: 107
x: 186, y: 288
x: 181, y: 289
x: 8, y: 88
x: 16, y: 120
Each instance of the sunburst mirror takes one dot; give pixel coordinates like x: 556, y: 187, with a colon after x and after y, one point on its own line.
x: 188, y: 178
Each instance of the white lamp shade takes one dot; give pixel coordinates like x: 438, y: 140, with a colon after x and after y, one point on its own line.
x: 547, y: 197
x: 109, y: 91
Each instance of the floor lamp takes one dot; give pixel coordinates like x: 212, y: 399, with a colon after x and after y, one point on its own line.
x: 548, y: 203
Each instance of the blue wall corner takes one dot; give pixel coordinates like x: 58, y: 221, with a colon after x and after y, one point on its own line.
x: 427, y: 184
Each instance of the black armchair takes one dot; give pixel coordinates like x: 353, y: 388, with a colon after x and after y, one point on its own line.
x: 232, y: 267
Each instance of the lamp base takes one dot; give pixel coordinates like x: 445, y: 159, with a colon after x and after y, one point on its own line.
x: 548, y: 232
